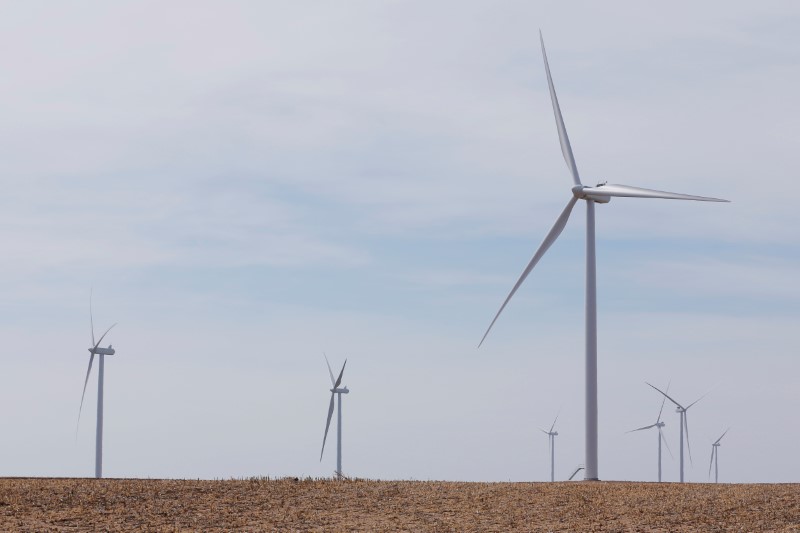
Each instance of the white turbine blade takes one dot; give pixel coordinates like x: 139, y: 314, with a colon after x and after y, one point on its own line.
x: 608, y: 191
x: 102, y: 337
x: 83, y: 395
x: 666, y: 395
x: 333, y: 381
x: 327, y: 426
x: 686, y: 427
x: 697, y: 400
x: 566, y: 149
x: 554, y: 423
x: 720, y: 437
x: 711, y: 462
x: 544, y: 431
x: 665, y: 442
x: 339, y: 379
x: 663, y: 401
x: 91, y: 319
x: 641, y: 428
x: 551, y: 237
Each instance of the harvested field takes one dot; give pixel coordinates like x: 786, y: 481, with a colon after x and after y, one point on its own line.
x: 363, y: 505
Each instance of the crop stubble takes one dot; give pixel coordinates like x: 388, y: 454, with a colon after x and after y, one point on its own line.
x: 35, y: 504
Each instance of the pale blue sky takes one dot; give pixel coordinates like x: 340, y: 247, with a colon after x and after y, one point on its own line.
x: 249, y: 184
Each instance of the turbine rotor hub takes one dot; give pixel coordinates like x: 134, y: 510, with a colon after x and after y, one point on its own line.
x: 578, y: 191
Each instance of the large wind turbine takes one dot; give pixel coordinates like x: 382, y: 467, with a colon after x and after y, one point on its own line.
x: 101, y: 353
x: 338, y: 392
x: 684, y: 424
x: 659, y: 424
x: 715, y: 458
x: 551, y: 439
x: 601, y: 194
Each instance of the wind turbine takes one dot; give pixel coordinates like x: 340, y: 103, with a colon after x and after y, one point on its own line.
x: 101, y: 353
x: 600, y: 194
x: 551, y: 439
x: 715, y: 458
x: 684, y: 424
x: 338, y: 392
x: 659, y: 424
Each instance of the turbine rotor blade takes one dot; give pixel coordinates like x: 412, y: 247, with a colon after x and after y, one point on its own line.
x: 103, y: 336
x: 327, y: 426
x: 91, y: 318
x: 711, y: 462
x: 720, y: 437
x: 665, y: 442
x: 566, y: 148
x: 697, y: 400
x: 662, y: 404
x: 666, y: 395
x: 339, y: 379
x: 549, y: 239
x: 83, y: 395
x: 554, y: 424
x: 641, y: 428
x: 686, y: 427
x: 333, y: 381
x: 612, y: 190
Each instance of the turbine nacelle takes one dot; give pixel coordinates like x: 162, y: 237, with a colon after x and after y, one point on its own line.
x: 582, y: 192
x: 103, y: 351
x: 343, y: 390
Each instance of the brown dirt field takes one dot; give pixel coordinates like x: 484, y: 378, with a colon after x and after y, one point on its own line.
x: 362, y: 505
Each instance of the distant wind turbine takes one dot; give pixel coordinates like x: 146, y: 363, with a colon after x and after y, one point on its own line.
x: 715, y: 458
x: 101, y: 353
x: 551, y: 439
x: 684, y: 424
x: 338, y: 392
x: 659, y: 424
x: 600, y: 194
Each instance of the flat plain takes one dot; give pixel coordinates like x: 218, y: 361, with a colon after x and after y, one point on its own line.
x: 290, y: 504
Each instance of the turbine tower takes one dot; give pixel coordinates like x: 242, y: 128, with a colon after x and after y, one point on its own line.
x: 599, y: 194
x: 551, y: 439
x: 715, y: 458
x: 681, y: 410
x: 659, y: 424
x: 336, y: 390
x: 100, y: 353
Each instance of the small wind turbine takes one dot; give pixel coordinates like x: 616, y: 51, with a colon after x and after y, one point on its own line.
x: 715, y: 458
x: 338, y: 392
x: 659, y: 424
x: 684, y: 424
x: 602, y: 193
x: 101, y: 353
x: 551, y: 439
